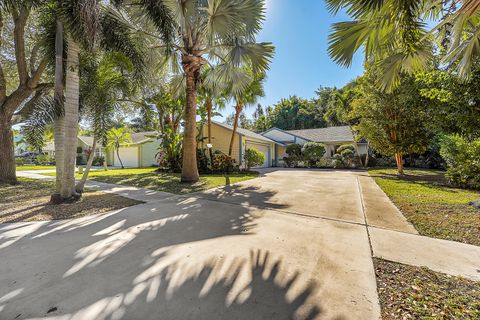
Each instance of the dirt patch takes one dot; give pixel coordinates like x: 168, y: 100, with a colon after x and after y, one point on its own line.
x: 29, y: 201
x: 408, y: 292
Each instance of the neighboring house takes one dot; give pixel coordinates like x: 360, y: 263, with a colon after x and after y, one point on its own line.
x: 331, y: 137
x: 84, y: 143
x: 244, y: 139
x: 141, y: 152
x: 20, y: 145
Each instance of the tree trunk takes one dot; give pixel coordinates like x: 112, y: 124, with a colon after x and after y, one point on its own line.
x: 189, y: 168
x: 367, y: 155
x: 7, y: 151
x: 71, y: 120
x: 59, y: 123
x: 399, y: 161
x: 238, y: 110
x: 118, y: 156
x: 81, y: 184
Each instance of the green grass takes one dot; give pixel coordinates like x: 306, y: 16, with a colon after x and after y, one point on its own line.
x: 25, y: 168
x: 163, y: 181
x: 433, y: 207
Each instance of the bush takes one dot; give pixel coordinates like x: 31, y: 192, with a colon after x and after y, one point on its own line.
x: 44, y: 160
x: 313, y: 152
x: 347, y: 155
x: 202, y: 161
x: 294, y: 149
x: 253, y: 158
x: 98, y: 161
x: 462, y: 158
x: 325, y: 163
x: 80, y: 160
x: 20, y: 161
x: 344, y: 147
x: 222, y: 162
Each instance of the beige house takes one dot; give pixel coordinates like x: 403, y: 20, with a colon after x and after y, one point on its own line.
x: 141, y: 152
x: 244, y: 139
x: 84, y: 144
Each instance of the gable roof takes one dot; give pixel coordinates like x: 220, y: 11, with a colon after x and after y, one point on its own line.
x: 142, y: 137
x: 245, y: 132
x: 330, y: 134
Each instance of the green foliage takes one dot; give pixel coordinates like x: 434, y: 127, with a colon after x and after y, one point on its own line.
x: 44, y: 160
x: 222, y: 162
x: 294, y: 149
x: 294, y: 113
x: 344, y: 147
x: 253, y: 158
x: 463, y: 161
x: 170, y: 150
x: 202, y: 161
x: 98, y: 161
x: 393, y: 122
x: 313, y: 152
x: 20, y: 161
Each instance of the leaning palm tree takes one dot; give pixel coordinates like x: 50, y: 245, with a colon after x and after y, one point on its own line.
x: 395, y: 36
x: 116, y: 138
x: 208, y: 31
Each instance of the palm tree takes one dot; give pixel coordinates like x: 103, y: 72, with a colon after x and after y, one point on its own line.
x: 117, y: 137
x: 394, y: 34
x: 219, y: 30
x: 247, y: 96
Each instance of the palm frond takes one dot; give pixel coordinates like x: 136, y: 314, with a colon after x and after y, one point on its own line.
x: 258, y: 55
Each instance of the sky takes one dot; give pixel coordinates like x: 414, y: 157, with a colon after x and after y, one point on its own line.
x: 299, y: 31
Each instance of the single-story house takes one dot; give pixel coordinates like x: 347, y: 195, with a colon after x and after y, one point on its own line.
x: 84, y: 143
x: 141, y: 152
x: 331, y: 137
x: 273, y: 142
x: 244, y: 139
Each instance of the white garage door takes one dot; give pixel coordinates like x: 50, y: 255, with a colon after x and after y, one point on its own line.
x: 263, y: 149
x: 129, y: 156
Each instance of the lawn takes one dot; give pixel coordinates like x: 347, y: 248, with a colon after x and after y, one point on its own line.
x: 163, y: 181
x: 408, y: 292
x: 25, y: 168
x: 29, y: 201
x: 434, y: 208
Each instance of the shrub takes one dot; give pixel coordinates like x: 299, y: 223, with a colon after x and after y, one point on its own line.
x: 294, y: 149
x: 463, y: 161
x: 222, y: 162
x: 20, y: 161
x: 79, y: 160
x: 347, y: 155
x: 294, y: 155
x: 202, y: 161
x: 325, y: 163
x: 253, y: 158
x: 79, y: 150
x: 344, y: 147
x: 313, y: 152
x: 98, y: 161
x: 43, y: 160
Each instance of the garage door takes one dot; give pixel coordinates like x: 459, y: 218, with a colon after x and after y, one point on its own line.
x: 129, y: 156
x: 263, y: 149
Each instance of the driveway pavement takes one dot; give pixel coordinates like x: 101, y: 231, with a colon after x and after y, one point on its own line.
x: 288, y: 245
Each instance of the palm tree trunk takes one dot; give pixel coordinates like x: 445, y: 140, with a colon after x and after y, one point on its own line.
x: 7, y: 152
x: 238, y: 110
x: 71, y: 120
x: 59, y: 123
x: 189, y: 167
x: 81, y: 184
x: 118, y: 156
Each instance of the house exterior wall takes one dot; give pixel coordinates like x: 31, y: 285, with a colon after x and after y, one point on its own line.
x: 221, y: 141
x: 148, y: 153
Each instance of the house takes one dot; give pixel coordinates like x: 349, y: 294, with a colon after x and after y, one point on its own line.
x: 244, y: 139
x: 84, y: 145
x: 331, y: 137
x: 141, y: 152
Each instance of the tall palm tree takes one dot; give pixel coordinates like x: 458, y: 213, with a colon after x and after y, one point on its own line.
x: 117, y: 137
x: 204, y: 32
x: 248, y: 96
x: 394, y: 34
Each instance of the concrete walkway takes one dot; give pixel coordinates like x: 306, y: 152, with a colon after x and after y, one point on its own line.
x: 291, y: 244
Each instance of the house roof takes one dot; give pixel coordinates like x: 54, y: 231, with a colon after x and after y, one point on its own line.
x: 246, y: 133
x: 330, y: 134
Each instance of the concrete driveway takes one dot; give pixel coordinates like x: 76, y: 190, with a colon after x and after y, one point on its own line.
x: 288, y: 245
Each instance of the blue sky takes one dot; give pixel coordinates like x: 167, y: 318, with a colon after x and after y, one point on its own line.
x: 299, y: 30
